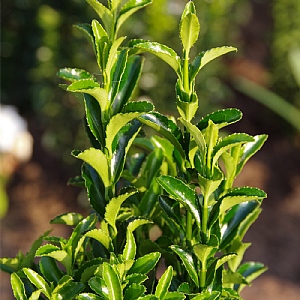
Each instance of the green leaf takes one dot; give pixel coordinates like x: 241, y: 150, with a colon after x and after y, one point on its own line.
x: 187, y: 110
x: 88, y: 296
x: 129, y: 8
x: 127, y: 82
x: 165, y: 127
x: 204, y: 252
x: 229, y: 142
x: 71, y: 219
x: 86, y: 29
x: 103, y: 12
x: 98, y: 160
x: 145, y: 263
x: 133, y: 225
x: 113, y: 207
x: 188, y: 262
x: 112, y: 281
x: 239, y: 248
x: 182, y: 193
x: 10, y: 265
x: 189, y: 30
x: 208, y: 186
x: 95, y: 189
x: 138, y: 106
x: 174, y: 296
x: 249, y: 149
x: 167, y: 54
x: 18, y: 287
x: 114, y: 126
x: 221, y: 118
x: 101, y: 236
x: 205, y: 57
x: 50, y: 270
x: 73, y: 74
x: 99, y: 286
x: 207, y: 296
x: 164, y: 283
x: 38, y: 281
x: 93, y: 117
x: 136, y: 278
x: 134, y: 291
x: 238, y: 195
x: 130, y: 246
x: 66, y: 288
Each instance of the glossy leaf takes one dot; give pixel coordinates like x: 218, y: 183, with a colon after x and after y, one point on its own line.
x: 113, y: 282
x: 164, y: 283
x: 134, y: 224
x: 221, y: 118
x: 93, y: 118
x: 86, y: 29
x: 98, y: 160
x: 129, y: 8
x: 249, y: 149
x: 73, y: 74
x: 207, y: 296
x: 130, y: 246
x: 134, y: 291
x: 100, y: 236
x: 145, y: 263
x: 229, y: 142
x: 188, y: 262
x: 88, y: 296
x: 208, y: 186
x: 239, y: 195
x: 138, y: 106
x: 189, y: 30
x: 95, y: 189
x: 165, y: 53
x: 18, y: 287
x: 38, y: 281
x: 128, y: 82
x: 103, y: 12
x: 67, y: 288
x: 136, y: 278
x: 204, y: 252
x: 69, y: 219
x: 205, y: 57
x: 174, y: 296
x: 182, y: 193
x: 99, y: 286
x: 163, y: 201
x: 50, y: 270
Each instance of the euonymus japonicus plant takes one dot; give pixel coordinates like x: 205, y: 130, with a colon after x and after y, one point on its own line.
x: 180, y: 180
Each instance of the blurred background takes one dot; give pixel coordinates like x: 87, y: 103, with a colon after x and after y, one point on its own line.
x: 40, y: 124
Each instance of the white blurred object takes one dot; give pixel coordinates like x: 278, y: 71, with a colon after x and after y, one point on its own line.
x: 14, y: 137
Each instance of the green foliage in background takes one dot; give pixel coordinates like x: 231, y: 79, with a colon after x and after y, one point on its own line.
x: 145, y: 171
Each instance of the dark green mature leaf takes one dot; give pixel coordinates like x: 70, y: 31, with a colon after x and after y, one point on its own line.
x: 165, y: 127
x: 221, y: 118
x: 95, y: 189
x: 205, y: 57
x: 67, y: 288
x: 174, y: 296
x: 165, y: 53
x: 182, y: 193
x: 134, y: 291
x: 99, y: 286
x: 207, y: 296
x: 149, y: 201
x: 136, y: 278
x: 249, y: 149
x: 188, y: 262
x: 121, y: 145
x: 38, y: 281
x: 50, y: 270
x: 86, y: 29
x: 112, y: 282
x: 18, y: 287
x: 71, y: 219
x: 238, y: 195
x: 164, y: 283
x: 129, y: 8
x: 233, y: 220
x: 73, y: 74
x: 128, y: 83
x: 145, y: 263
x: 138, y: 106
x: 93, y: 117
x: 87, y: 270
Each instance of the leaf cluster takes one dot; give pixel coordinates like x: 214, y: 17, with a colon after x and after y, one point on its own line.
x: 180, y: 180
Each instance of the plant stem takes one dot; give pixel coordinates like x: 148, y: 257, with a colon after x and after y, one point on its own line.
x: 203, y: 275
x: 205, y: 219
x: 186, y: 81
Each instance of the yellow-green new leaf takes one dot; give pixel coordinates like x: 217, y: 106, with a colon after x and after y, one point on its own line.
x: 18, y: 287
x: 98, y: 160
x: 189, y: 30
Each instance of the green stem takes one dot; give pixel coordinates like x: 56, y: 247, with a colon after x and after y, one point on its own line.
x: 205, y: 220
x: 189, y: 226
x: 186, y: 80
x: 203, y: 275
